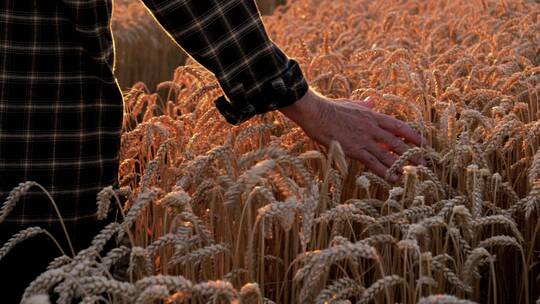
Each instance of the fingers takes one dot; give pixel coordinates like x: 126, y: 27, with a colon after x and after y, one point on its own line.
x: 396, y: 144
x: 383, y: 155
x: 393, y: 142
x: 372, y: 163
x: 400, y: 128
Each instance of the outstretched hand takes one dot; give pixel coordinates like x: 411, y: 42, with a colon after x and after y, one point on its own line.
x: 373, y: 138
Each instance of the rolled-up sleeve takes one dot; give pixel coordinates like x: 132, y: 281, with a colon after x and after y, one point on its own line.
x: 229, y: 39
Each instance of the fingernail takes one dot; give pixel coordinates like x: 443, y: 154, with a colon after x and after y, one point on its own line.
x: 394, y: 178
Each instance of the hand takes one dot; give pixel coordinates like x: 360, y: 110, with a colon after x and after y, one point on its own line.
x: 365, y: 135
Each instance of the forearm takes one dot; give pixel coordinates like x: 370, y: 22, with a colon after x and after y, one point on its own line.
x: 229, y: 39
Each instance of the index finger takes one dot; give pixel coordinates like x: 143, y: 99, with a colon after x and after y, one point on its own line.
x: 400, y: 128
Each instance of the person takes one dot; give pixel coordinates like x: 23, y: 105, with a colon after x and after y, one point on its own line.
x: 61, y: 109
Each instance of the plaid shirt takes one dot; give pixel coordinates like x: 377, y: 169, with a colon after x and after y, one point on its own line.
x: 60, y: 105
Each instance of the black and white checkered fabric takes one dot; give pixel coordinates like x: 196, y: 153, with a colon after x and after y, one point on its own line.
x: 60, y: 105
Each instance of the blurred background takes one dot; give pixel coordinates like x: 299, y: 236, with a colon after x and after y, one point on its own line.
x: 143, y: 51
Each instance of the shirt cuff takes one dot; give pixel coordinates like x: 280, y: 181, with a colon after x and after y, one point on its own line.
x: 237, y: 107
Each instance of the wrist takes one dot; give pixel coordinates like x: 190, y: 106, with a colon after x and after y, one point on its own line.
x: 304, y: 108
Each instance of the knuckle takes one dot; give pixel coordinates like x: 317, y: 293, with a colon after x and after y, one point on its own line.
x: 359, y: 112
x: 371, y: 158
x: 395, y: 143
x: 388, y: 158
x: 358, y: 153
x: 398, y: 124
x: 363, y: 152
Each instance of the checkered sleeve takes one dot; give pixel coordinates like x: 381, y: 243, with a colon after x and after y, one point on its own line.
x: 228, y: 38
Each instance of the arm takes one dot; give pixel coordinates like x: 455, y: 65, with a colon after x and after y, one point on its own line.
x: 229, y: 39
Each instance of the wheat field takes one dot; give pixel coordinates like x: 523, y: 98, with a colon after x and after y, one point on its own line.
x: 144, y: 52
x: 259, y: 213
